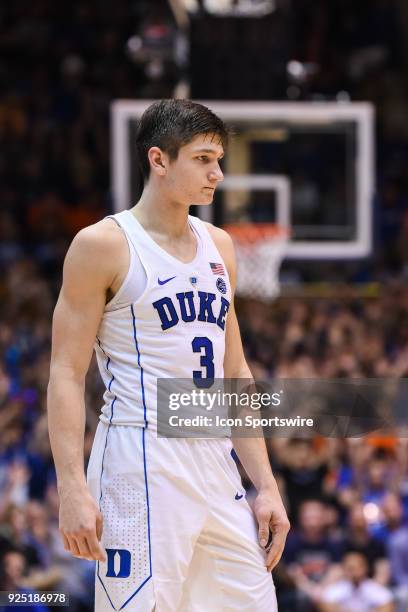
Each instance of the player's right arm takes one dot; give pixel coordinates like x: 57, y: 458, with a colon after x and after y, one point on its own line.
x: 90, y: 270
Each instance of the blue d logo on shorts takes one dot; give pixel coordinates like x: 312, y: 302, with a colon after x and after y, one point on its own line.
x: 221, y: 285
x: 124, y: 566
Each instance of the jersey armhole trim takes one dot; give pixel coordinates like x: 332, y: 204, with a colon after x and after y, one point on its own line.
x: 121, y: 289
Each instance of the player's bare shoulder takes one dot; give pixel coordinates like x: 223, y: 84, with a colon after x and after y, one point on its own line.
x: 224, y: 244
x: 99, y: 254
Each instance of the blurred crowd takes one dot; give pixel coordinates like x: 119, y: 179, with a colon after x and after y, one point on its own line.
x: 59, y: 71
x: 347, y: 498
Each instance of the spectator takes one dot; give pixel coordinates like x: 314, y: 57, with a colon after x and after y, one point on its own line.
x: 13, y: 578
x: 310, y: 556
x: 397, y: 545
x: 16, y: 535
x: 359, y: 539
x: 303, y: 469
x: 356, y: 591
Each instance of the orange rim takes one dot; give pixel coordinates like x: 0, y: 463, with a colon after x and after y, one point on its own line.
x: 255, y: 232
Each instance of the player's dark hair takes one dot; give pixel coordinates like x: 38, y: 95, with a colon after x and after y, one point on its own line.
x: 171, y: 124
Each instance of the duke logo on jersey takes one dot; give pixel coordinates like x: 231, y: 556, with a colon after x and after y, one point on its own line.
x: 189, y: 306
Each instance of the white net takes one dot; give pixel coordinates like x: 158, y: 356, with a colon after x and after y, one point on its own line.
x: 260, y: 249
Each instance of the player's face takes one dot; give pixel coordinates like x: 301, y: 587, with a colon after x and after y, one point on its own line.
x: 193, y: 177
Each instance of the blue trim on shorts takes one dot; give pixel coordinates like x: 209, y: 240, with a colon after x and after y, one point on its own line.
x: 148, y: 523
x: 147, y: 500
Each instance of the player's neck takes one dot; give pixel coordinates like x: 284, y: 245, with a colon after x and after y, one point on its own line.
x: 160, y: 215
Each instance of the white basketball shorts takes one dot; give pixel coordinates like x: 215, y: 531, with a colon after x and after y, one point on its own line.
x: 178, y: 532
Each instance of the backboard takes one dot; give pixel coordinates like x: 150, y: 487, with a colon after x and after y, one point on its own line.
x: 308, y: 165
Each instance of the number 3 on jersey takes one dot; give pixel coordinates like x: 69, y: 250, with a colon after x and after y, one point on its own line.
x: 203, y: 345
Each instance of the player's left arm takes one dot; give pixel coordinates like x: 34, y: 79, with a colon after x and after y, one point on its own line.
x: 268, y: 508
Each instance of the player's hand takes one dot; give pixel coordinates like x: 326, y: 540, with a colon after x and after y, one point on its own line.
x: 272, y: 518
x: 80, y: 524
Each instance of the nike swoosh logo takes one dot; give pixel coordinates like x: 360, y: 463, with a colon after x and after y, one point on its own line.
x: 163, y: 282
x: 238, y: 496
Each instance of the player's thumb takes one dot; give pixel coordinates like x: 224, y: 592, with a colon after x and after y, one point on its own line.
x: 263, y: 533
x: 99, y: 529
x: 99, y: 525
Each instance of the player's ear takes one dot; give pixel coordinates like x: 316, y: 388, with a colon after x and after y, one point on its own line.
x: 157, y: 160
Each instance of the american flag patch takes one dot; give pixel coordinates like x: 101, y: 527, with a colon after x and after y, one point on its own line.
x: 217, y: 268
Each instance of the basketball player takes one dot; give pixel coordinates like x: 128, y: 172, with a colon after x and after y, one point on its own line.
x: 151, y: 288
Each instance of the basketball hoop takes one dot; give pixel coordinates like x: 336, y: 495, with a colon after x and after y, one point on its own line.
x: 260, y: 248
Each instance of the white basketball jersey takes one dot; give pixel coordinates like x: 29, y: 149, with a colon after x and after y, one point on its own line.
x: 174, y: 329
